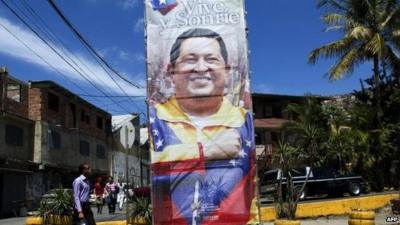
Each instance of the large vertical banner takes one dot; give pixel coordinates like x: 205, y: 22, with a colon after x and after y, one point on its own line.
x: 203, y: 151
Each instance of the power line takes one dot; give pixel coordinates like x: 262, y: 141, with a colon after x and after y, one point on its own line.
x: 49, y: 34
x: 66, y: 21
x: 55, y: 51
x: 113, y: 96
x: 45, y: 61
x: 91, y: 50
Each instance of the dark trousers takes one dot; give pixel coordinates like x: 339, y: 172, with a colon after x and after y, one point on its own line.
x: 111, y: 204
x: 87, y: 212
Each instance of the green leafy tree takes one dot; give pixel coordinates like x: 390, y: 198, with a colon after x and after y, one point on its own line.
x: 371, y: 32
x: 308, y: 127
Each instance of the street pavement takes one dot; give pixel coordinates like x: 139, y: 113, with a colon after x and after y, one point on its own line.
x: 119, y: 215
x: 380, y: 218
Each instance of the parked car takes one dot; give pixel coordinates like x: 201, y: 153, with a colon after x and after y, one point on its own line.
x: 320, y: 181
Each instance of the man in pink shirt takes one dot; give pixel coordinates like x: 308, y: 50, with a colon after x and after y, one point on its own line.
x: 112, y: 190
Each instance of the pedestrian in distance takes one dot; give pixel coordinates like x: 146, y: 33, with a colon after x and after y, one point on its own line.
x: 81, y: 188
x: 121, y: 195
x: 112, y: 190
x: 99, y: 192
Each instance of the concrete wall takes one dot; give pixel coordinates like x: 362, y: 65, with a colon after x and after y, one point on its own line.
x: 68, y: 155
x: 9, y: 151
x: 135, y: 169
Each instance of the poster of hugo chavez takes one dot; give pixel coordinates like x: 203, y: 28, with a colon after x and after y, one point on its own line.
x: 200, y: 119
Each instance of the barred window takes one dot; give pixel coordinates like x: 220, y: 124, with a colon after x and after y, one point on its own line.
x: 53, y: 102
x: 84, y: 148
x: 99, y: 122
x: 100, y: 152
x: 55, y: 139
x: 14, y: 135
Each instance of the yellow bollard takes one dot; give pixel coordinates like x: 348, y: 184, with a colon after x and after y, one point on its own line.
x: 34, y: 220
x: 362, y: 218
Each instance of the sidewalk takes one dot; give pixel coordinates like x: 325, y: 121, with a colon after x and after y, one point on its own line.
x: 380, y: 219
x: 119, y: 215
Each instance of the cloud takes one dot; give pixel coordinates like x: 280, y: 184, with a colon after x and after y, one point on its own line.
x: 262, y: 88
x: 139, y: 25
x: 12, y: 47
x: 128, y: 4
x: 116, y: 52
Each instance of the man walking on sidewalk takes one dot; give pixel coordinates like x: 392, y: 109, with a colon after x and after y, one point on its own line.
x: 81, y: 189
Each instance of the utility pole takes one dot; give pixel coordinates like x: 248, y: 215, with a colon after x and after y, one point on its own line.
x: 3, y: 77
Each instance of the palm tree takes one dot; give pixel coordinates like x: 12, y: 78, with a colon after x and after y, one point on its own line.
x: 308, y: 126
x: 371, y: 31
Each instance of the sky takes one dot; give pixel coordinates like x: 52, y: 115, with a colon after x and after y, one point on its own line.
x: 281, y: 35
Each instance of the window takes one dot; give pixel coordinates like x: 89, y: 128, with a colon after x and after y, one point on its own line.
x: 100, y: 152
x: 83, y: 115
x: 87, y: 119
x: 14, y: 135
x: 84, y: 148
x: 99, y: 122
x: 73, y: 114
x: 268, y: 112
x: 55, y: 139
x: 108, y: 126
x: 53, y: 102
x: 14, y: 91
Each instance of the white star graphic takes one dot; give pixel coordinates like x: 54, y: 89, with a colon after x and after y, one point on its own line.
x: 242, y: 153
x: 233, y: 162
x: 159, y: 143
x: 155, y: 132
x: 162, y: 2
x: 152, y: 119
x: 248, y: 143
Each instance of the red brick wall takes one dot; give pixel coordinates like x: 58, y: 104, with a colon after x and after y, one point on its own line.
x: 35, y: 104
x: 14, y: 107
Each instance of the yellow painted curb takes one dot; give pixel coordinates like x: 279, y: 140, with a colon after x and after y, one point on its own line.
x: 361, y: 222
x: 333, y: 207
x: 33, y: 220
x: 287, y: 222
x: 117, y: 222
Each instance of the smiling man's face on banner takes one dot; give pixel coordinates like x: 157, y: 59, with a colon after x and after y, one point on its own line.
x: 200, y: 69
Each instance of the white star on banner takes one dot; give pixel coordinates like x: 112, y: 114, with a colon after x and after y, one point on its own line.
x: 162, y: 2
x: 242, y: 153
x: 151, y: 119
x: 155, y: 132
x: 248, y: 143
x: 233, y: 162
x: 159, y: 143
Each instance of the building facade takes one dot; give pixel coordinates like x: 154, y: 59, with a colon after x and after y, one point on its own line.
x: 16, y: 144
x: 68, y: 132
x: 46, y: 131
